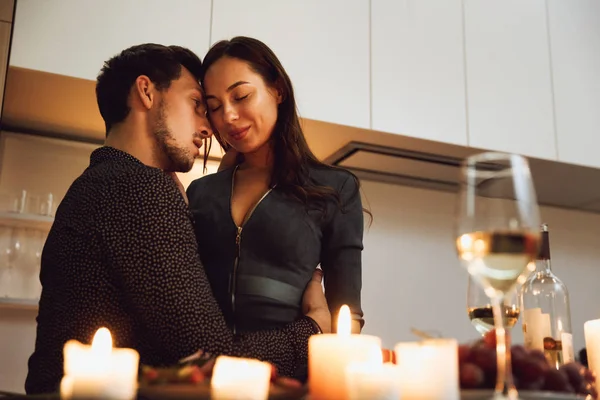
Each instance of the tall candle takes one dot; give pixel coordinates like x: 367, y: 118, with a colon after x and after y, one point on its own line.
x: 330, y: 354
x: 240, y: 378
x: 428, y: 369
x: 591, y: 331
x: 99, y: 371
x: 373, y: 382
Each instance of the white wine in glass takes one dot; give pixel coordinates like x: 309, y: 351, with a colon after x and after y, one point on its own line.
x: 481, y: 312
x: 497, y: 236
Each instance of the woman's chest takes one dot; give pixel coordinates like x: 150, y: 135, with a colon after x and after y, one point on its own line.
x: 275, y: 229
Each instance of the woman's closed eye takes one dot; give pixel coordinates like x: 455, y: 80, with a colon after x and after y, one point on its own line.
x: 213, y: 106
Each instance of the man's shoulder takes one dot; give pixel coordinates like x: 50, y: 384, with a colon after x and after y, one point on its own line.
x: 113, y: 181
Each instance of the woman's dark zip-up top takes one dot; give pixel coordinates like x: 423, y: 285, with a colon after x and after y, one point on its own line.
x: 259, y: 270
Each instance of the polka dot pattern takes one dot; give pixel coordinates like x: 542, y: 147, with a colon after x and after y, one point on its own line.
x: 122, y: 254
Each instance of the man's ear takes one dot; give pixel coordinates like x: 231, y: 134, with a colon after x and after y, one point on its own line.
x: 145, y: 91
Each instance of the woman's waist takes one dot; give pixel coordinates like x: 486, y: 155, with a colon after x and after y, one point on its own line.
x: 256, y: 312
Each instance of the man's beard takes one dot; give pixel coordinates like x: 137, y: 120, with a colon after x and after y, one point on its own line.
x: 177, y: 159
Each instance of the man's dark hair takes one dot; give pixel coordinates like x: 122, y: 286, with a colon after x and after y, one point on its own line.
x: 162, y: 64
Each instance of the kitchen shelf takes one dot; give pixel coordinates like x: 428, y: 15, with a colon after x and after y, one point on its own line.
x: 18, y: 304
x: 31, y: 221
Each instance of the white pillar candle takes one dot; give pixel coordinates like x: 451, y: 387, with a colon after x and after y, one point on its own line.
x: 428, y: 369
x: 591, y: 331
x: 330, y: 354
x: 374, y: 382
x: 240, y: 379
x: 99, y: 371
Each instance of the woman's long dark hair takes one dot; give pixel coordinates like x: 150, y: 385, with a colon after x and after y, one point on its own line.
x: 292, y: 157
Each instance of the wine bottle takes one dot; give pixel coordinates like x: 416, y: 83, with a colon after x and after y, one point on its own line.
x: 545, y: 309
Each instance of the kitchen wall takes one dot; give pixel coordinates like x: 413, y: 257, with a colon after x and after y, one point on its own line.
x: 411, y: 274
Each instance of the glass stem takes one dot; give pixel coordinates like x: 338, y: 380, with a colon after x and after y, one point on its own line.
x: 505, y: 389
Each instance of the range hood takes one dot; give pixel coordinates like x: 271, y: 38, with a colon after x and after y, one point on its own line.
x: 41, y: 103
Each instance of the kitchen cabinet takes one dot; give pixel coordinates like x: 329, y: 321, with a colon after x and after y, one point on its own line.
x: 323, y: 45
x: 418, y: 77
x: 574, y: 30
x: 35, y: 173
x: 6, y: 10
x: 74, y: 37
x: 5, y: 28
x: 509, y: 86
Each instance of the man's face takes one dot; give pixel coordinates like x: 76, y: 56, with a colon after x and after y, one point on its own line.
x: 180, y: 123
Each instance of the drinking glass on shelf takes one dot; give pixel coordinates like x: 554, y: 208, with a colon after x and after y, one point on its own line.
x: 5, y: 265
x: 480, y: 311
x: 497, y: 236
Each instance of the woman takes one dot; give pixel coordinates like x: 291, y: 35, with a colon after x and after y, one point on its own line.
x: 265, y: 224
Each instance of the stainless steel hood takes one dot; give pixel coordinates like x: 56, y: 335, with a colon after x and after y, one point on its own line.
x: 46, y: 104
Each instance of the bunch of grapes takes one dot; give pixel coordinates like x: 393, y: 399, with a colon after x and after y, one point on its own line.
x: 531, y: 370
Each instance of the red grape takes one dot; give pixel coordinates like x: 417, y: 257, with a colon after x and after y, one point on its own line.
x: 518, y: 354
x: 289, y: 383
x: 557, y: 381
x: 196, y: 376
x: 529, y: 371
x: 471, y: 376
x: 464, y: 353
x: 490, y: 339
x: 574, y: 372
x: 485, y: 358
x: 538, y: 354
x: 588, y: 389
x: 589, y: 375
x: 274, y: 372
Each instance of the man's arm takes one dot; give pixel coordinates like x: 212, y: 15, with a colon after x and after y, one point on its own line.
x: 149, y: 241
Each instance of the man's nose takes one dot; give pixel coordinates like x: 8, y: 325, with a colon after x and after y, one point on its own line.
x: 205, y: 129
x: 205, y: 133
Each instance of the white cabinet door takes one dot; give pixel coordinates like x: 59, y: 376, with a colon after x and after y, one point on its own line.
x: 323, y: 45
x: 418, y: 76
x: 75, y: 37
x: 575, y: 48
x: 509, y: 90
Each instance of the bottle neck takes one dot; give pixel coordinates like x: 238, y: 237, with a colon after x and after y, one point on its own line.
x: 543, y: 263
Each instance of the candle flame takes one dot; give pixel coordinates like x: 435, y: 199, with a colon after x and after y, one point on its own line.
x: 343, y: 325
x: 102, y: 343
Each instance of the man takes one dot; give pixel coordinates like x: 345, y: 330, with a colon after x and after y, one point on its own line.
x: 122, y: 251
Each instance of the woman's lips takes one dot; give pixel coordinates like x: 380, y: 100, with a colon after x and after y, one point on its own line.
x: 239, y: 134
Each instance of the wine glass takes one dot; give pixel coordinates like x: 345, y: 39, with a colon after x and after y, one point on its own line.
x: 497, y: 236
x: 480, y: 311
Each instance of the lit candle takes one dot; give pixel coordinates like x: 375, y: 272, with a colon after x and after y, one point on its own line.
x: 428, y: 369
x: 372, y: 380
x: 240, y: 378
x: 591, y: 330
x: 330, y: 354
x: 99, y: 371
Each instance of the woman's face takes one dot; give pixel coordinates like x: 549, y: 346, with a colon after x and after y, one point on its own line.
x: 241, y: 106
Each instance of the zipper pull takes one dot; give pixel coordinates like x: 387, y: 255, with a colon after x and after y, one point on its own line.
x: 239, y: 234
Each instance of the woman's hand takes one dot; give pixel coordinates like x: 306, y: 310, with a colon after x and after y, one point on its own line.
x: 314, y: 304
